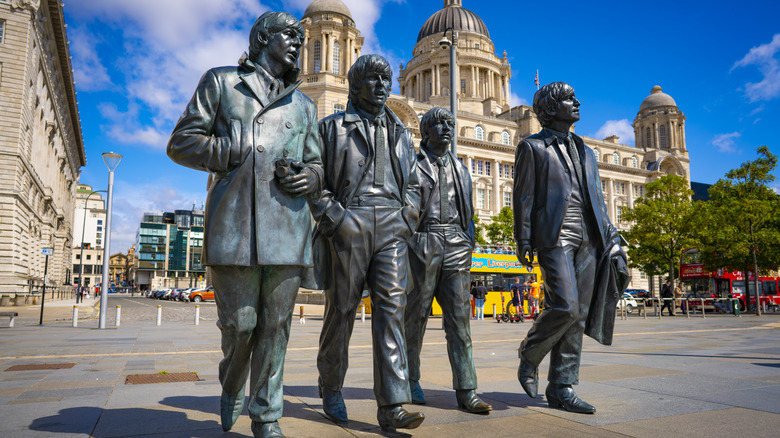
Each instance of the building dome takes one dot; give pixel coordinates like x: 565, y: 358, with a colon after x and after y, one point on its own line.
x: 320, y: 6
x: 657, y: 98
x: 455, y: 16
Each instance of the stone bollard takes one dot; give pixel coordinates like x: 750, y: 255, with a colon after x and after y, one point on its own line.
x: 159, y: 315
x: 301, y: 319
x: 75, y: 316
x: 197, y: 315
x: 363, y: 313
x: 494, y: 310
x: 118, y: 315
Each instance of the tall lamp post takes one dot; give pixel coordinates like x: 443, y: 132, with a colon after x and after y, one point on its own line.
x: 81, y: 255
x: 112, y: 161
x: 445, y: 44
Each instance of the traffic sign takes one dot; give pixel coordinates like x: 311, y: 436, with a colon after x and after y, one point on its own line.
x: 48, y: 251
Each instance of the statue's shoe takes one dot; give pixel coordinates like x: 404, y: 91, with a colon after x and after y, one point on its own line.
x: 396, y: 417
x: 468, y: 401
x: 418, y: 397
x: 230, y: 407
x: 333, y: 405
x: 266, y: 430
x: 528, y: 375
x: 564, y: 397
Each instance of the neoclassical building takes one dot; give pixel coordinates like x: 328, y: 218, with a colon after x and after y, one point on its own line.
x: 41, y: 147
x: 489, y: 128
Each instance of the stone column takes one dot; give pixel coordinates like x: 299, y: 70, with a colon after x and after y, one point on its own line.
x: 329, y: 53
x: 305, y: 54
x: 672, y: 134
x: 474, y: 90
x: 657, y: 141
x: 437, y: 79
x: 682, y: 136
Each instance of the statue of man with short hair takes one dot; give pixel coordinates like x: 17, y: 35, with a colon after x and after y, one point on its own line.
x: 368, y: 210
x: 257, y: 133
x: 440, y: 258
x: 559, y: 210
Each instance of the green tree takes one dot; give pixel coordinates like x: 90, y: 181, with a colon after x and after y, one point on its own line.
x: 478, y: 231
x: 501, y: 230
x: 742, y: 227
x: 662, y: 226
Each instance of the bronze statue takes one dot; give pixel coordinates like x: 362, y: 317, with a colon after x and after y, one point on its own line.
x: 559, y: 211
x: 440, y: 257
x: 257, y: 133
x: 368, y: 209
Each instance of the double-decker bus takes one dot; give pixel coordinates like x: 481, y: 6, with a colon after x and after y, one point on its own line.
x: 699, y: 282
x: 497, y: 270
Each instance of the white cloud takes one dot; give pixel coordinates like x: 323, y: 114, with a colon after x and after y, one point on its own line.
x: 765, y: 58
x: 89, y: 74
x: 132, y: 201
x: 622, y: 128
x: 725, y: 142
x: 515, y: 100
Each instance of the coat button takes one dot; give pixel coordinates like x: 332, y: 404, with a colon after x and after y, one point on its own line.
x: 260, y: 148
x: 260, y: 120
x: 288, y: 125
x: 361, y: 162
x: 566, y: 198
x: 286, y: 153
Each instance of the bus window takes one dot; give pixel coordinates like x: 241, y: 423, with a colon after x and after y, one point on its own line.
x: 769, y: 287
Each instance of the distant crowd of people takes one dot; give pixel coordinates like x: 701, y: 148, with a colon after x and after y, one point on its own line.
x: 494, y: 250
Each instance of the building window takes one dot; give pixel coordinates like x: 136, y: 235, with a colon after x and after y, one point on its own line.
x: 635, y: 162
x: 100, y: 222
x: 639, y: 191
x: 507, y: 199
x: 597, y: 154
x: 642, y: 275
x: 479, y: 132
x: 648, y: 138
x: 2, y: 31
x: 481, y: 199
x: 662, y: 136
x: 337, y: 108
x: 506, y: 138
x: 603, y: 186
x: 89, y: 256
x: 487, y: 168
x: 336, y: 58
x: 99, y: 228
x: 476, y: 46
x: 480, y: 167
x: 462, y: 86
x: 620, y: 188
x: 317, y: 46
x: 616, y: 158
x: 78, y: 256
x: 619, y: 214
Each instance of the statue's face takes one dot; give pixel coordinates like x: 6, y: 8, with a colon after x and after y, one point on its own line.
x: 568, y: 109
x: 283, y: 48
x: 373, y: 90
x: 439, y: 137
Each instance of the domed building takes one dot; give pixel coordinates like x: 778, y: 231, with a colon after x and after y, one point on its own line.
x: 489, y: 128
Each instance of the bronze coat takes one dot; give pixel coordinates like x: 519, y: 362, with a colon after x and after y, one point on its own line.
x: 232, y: 129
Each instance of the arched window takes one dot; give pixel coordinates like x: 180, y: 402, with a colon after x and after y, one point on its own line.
x: 649, y: 143
x: 479, y: 132
x: 506, y: 138
x: 317, y: 56
x: 597, y: 153
x: 336, y: 58
x: 662, y: 136
x: 634, y: 162
x: 616, y: 158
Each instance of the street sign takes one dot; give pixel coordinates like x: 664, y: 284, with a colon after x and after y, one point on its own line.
x: 48, y: 251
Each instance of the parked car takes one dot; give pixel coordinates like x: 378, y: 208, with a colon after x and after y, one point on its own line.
x: 638, y: 293
x: 185, y: 294
x: 628, y: 301
x: 202, y: 294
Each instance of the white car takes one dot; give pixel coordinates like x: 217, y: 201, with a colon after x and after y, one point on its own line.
x: 628, y: 301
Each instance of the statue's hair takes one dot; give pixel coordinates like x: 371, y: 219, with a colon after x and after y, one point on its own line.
x: 547, y: 98
x: 435, y: 114
x: 364, y: 66
x: 267, y: 25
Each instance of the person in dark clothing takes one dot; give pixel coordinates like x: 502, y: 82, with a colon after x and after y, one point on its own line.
x: 479, y: 294
x: 517, y: 289
x: 667, y: 297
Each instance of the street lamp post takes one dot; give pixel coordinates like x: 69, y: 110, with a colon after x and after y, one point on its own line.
x: 81, y: 256
x: 112, y: 161
x: 445, y: 44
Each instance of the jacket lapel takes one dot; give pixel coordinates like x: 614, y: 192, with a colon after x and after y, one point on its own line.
x: 250, y: 79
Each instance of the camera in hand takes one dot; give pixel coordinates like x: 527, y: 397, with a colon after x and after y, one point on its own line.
x: 282, y: 168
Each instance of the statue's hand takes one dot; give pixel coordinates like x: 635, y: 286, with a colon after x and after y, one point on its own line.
x: 302, y: 183
x: 525, y: 253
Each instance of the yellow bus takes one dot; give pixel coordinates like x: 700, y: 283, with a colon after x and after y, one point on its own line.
x: 497, y: 272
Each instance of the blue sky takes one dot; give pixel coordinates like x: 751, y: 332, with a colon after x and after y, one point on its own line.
x: 136, y: 64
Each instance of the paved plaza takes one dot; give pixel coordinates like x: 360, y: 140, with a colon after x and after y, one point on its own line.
x: 717, y: 376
